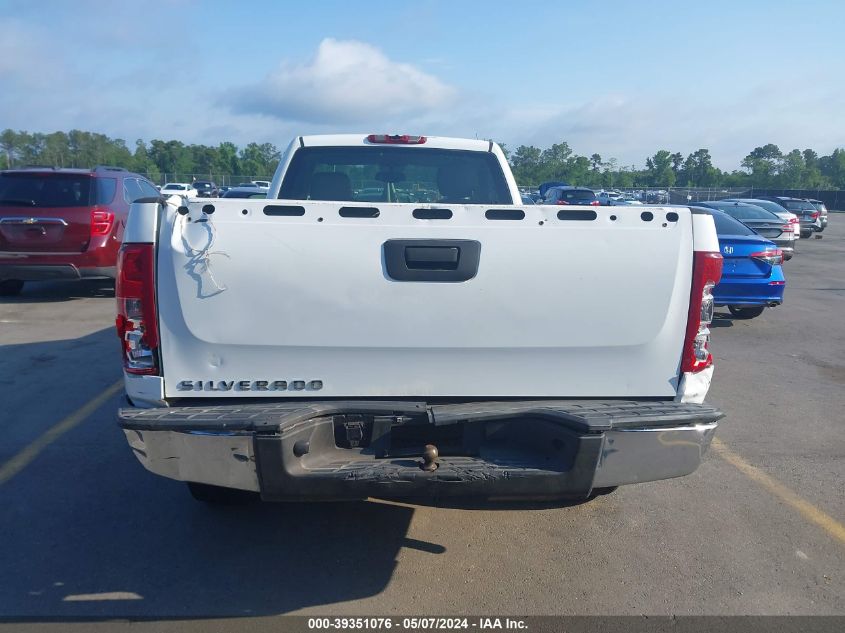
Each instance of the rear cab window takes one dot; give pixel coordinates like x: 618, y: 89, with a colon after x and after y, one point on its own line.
x: 395, y: 174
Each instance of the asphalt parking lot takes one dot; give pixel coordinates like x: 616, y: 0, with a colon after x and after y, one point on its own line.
x: 85, y: 532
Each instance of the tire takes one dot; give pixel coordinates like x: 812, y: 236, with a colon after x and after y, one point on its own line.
x: 10, y: 287
x: 218, y: 495
x: 746, y: 313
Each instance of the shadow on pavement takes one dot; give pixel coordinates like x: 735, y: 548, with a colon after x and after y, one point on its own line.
x: 103, y: 539
x: 722, y: 320
x: 87, y: 533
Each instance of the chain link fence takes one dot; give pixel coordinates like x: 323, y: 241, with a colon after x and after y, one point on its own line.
x: 228, y: 180
x: 833, y: 199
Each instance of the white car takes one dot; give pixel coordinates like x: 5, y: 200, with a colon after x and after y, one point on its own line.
x: 179, y: 189
x: 607, y: 198
x: 264, y: 184
x: 625, y: 201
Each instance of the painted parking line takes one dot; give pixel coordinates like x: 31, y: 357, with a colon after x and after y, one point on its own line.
x: 810, y: 512
x: 30, y: 452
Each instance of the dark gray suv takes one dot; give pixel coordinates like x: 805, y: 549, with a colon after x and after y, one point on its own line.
x: 206, y: 189
x: 571, y: 195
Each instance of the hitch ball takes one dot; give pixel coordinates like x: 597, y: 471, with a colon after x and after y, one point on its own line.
x: 430, y: 455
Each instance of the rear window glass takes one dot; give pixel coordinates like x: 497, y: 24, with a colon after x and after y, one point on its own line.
x: 572, y: 195
x: 45, y: 190
x: 235, y: 193
x: 105, y: 189
x: 131, y: 190
x: 395, y: 174
x: 147, y: 189
x: 726, y: 225
x: 768, y: 205
x: 797, y: 205
x: 745, y: 211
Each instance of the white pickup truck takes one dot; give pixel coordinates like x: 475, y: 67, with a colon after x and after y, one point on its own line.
x: 435, y: 339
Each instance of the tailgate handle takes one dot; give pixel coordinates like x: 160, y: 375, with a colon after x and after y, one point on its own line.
x: 431, y: 260
x: 432, y: 257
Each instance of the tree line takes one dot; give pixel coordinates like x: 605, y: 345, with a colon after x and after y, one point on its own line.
x: 764, y: 167
x: 157, y: 159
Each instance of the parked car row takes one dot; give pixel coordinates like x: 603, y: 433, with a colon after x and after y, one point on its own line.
x: 808, y: 213
x: 68, y: 224
x: 767, y: 224
x: 756, y: 236
x: 752, y: 272
x: 209, y: 189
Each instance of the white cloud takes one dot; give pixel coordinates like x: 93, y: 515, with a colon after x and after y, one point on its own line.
x: 48, y: 85
x: 345, y: 82
x: 730, y: 124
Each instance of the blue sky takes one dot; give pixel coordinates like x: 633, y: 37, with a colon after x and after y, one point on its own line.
x: 623, y: 79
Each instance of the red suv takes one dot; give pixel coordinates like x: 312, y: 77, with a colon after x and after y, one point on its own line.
x: 63, y: 223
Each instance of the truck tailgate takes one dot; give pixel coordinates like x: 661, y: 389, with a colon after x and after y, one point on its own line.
x: 273, y: 298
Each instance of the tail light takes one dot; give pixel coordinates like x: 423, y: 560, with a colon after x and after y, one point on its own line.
x: 561, y: 202
x: 594, y: 203
x: 136, y: 309
x: 770, y: 257
x: 706, y: 272
x: 396, y: 139
x: 102, y: 221
x: 794, y: 220
x: 787, y: 228
x: 815, y: 215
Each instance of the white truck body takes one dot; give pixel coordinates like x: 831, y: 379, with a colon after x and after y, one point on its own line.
x: 297, y: 301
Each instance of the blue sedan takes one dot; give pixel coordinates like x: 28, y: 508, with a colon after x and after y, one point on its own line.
x: 752, y: 275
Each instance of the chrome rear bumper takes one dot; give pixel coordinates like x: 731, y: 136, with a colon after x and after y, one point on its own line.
x: 490, y: 450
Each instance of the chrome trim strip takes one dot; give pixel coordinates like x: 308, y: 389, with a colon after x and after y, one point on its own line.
x: 31, y: 221
x: 14, y: 254
x: 660, y: 429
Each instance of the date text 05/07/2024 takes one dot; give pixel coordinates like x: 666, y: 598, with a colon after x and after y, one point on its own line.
x: 416, y: 623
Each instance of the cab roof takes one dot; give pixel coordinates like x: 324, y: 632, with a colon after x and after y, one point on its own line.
x: 357, y: 140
